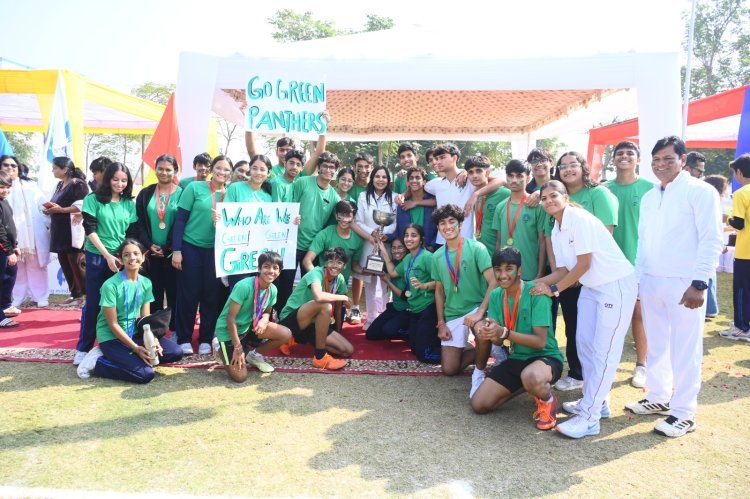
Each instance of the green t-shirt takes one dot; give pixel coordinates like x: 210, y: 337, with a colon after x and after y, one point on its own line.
x: 399, y: 184
x: 471, y: 283
x: 186, y: 181
x: 355, y: 191
x: 303, y: 293
x: 598, y: 201
x: 420, y: 299
x: 317, y: 204
x: 628, y: 214
x: 532, y: 311
x: 112, y: 220
x: 330, y: 238
x: 399, y: 304
x: 243, y: 293
x: 159, y: 236
x: 199, y: 229
x: 241, y: 192
x: 279, y: 170
x: 531, y: 221
x: 332, y: 219
x: 488, y: 235
x: 281, y: 189
x: 113, y: 295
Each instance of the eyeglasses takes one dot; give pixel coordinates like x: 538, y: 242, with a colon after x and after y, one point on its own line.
x: 326, y: 166
x: 10, y: 165
x: 335, y: 263
x: 569, y: 165
x: 538, y: 162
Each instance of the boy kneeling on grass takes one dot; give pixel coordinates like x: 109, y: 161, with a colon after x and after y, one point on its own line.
x: 535, y: 362
x: 313, y: 312
x: 244, y: 331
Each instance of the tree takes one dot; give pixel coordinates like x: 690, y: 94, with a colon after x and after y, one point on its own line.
x: 378, y: 23
x: 23, y: 147
x: 292, y: 26
x: 155, y: 92
x: 228, y: 132
x: 721, y: 48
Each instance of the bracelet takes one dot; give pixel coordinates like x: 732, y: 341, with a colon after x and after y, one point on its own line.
x: 134, y: 347
x: 440, y: 323
x: 505, y: 334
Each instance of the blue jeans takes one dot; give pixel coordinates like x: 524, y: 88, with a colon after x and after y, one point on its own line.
x: 712, y: 303
x: 97, y: 272
x: 119, y: 362
x: 197, y: 285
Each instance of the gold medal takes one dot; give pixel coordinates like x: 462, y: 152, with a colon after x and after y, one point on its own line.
x: 509, y: 241
x: 162, y: 225
x: 333, y: 320
x: 455, y: 289
x: 479, y: 235
x: 407, y: 293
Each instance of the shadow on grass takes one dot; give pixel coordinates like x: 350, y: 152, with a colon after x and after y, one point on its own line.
x: 103, y: 429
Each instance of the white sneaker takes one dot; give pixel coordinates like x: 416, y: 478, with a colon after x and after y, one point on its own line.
x: 477, y: 378
x: 255, y: 359
x: 355, y: 317
x: 567, y: 383
x: 674, y: 427
x: 735, y: 334
x: 639, y: 377
x: 204, y: 349
x: 645, y: 406
x: 577, y: 427
x: 187, y: 348
x: 88, y: 363
x: 42, y: 304
x: 79, y: 357
x: 573, y: 407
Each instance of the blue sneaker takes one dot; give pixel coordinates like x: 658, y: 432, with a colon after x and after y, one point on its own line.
x: 577, y: 427
x: 573, y: 408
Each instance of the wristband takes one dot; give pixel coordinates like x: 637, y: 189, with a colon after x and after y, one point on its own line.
x: 505, y: 334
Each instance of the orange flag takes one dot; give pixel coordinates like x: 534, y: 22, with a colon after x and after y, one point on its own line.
x: 166, y: 139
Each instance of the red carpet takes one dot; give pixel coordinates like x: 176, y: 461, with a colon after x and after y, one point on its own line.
x: 51, y: 336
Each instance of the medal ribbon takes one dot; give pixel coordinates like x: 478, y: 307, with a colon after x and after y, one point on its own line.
x: 213, y: 197
x: 328, y: 289
x: 260, y: 301
x: 480, y: 215
x: 408, y: 268
x: 508, y: 318
x: 512, y: 227
x: 454, y: 273
x: 161, y: 210
x: 130, y: 323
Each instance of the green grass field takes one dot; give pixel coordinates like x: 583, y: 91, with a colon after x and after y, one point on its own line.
x: 194, y: 432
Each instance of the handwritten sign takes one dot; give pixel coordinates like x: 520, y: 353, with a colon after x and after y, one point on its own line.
x: 246, y: 230
x: 283, y: 105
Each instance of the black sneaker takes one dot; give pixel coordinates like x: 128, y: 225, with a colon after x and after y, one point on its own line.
x: 674, y: 427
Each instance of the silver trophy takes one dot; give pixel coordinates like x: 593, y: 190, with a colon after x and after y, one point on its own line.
x: 375, y: 263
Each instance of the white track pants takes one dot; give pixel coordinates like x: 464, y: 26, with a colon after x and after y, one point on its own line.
x: 604, y: 315
x: 31, y: 280
x: 675, y: 344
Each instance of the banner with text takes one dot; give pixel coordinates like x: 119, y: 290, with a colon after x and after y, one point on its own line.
x: 279, y: 104
x: 245, y: 230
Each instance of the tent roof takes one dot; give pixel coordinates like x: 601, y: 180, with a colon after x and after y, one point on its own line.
x: 26, y: 99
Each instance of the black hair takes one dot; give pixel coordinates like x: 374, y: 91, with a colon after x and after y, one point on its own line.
x: 407, y: 147
x: 71, y: 171
x: 477, y: 161
x: 295, y: 153
x: 344, y: 207
x: 517, y: 166
x: 586, y: 172
x: 370, y: 191
x: 671, y: 140
x: 168, y: 158
x: 540, y: 154
x: 742, y: 164
x: 261, y: 158
x: 23, y: 172
x: 104, y: 191
x: 556, y: 185
x: 335, y: 253
x: 270, y: 257
x: 363, y: 156
x: 285, y: 141
x: 240, y: 164
x: 446, y: 148
x: 419, y: 229
x: 221, y: 157
x: 693, y: 158
x: 508, y: 255
x: 416, y: 169
x: 345, y: 170
x: 446, y: 211
x: 100, y: 164
x: 5, y: 180
x: 202, y: 159
x: 626, y: 144
x: 430, y: 151
x: 328, y: 157
x: 720, y: 182
x: 127, y: 242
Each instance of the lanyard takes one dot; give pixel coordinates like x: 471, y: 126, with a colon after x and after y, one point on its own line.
x: 408, y: 269
x: 512, y: 227
x: 480, y: 217
x: 260, y: 300
x: 130, y: 323
x: 213, y: 198
x: 454, y: 273
x: 511, y: 319
x: 161, y: 210
x: 327, y: 280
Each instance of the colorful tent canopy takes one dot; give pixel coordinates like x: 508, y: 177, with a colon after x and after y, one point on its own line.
x: 713, y: 123
x: 26, y: 103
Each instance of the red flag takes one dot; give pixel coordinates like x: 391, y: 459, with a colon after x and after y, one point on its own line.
x: 166, y: 139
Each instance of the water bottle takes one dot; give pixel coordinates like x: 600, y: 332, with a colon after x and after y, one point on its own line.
x: 149, y: 341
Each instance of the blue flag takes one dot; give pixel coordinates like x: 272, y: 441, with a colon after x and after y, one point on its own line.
x: 4, y: 145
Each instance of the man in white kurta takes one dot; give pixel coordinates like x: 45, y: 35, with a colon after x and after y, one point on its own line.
x: 679, y: 243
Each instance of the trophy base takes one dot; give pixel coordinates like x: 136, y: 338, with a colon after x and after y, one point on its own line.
x: 375, y: 264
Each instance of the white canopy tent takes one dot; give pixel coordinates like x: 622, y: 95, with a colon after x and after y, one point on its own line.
x: 415, y: 83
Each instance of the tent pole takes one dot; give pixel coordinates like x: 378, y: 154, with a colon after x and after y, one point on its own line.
x: 688, y: 71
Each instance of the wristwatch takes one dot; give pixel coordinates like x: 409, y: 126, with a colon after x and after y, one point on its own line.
x: 555, y: 291
x: 699, y: 285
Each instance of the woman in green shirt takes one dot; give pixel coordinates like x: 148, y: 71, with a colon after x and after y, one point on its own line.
x: 107, y: 215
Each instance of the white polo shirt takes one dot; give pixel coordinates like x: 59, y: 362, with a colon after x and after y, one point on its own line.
x: 447, y: 192
x: 581, y: 233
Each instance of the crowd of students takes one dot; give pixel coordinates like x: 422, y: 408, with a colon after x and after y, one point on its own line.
x: 476, y: 267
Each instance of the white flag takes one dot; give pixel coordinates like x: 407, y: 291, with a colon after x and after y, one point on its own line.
x: 59, y: 141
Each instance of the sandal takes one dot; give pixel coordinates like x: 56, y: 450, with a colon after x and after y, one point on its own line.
x: 8, y: 323
x: 12, y: 312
